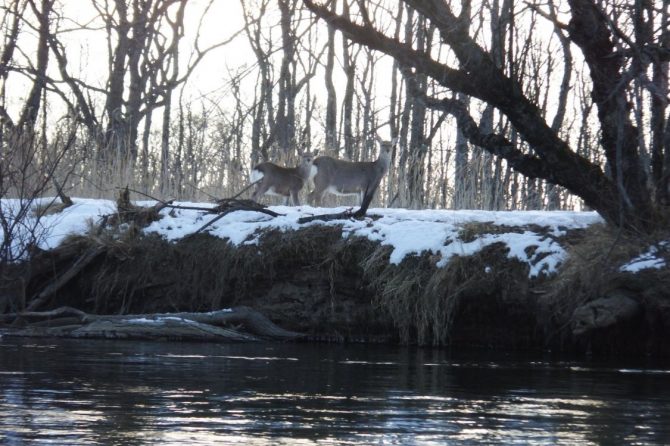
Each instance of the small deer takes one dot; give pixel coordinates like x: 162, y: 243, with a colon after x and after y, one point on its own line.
x: 341, y: 177
x: 282, y: 181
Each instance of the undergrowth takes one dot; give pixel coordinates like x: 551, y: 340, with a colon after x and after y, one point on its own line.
x: 593, y: 270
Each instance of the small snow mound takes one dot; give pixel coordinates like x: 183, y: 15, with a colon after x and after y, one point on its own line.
x: 651, y: 259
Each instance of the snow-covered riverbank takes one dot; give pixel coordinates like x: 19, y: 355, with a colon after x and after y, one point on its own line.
x: 531, y: 236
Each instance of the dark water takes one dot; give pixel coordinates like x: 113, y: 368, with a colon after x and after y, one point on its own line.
x: 67, y: 392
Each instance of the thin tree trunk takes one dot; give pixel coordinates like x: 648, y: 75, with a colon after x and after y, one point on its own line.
x: 331, y: 99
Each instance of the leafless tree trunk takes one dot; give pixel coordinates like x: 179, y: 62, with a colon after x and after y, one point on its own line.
x: 331, y: 100
x: 660, y: 128
x: 285, y: 119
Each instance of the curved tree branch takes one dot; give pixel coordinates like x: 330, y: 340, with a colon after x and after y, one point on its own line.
x: 479, y: 77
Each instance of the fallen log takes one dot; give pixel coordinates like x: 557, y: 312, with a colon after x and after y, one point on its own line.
x: 210, y: 326
x: 159, y: 328
x: 615, y: 308
x: 344, y: 215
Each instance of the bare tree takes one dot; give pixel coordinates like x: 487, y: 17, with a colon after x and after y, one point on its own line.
x: 623, y: 200
x: 331, y: 100
x: 25, y: 124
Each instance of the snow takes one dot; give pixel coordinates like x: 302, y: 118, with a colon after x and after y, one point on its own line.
x: 651, y: 259
x: 409, y: 232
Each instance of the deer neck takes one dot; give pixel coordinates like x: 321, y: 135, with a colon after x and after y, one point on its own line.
x: 384, y: 160
x: 303, y: 171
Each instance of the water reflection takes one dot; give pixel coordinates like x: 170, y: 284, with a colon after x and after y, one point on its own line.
x: 107, y: 392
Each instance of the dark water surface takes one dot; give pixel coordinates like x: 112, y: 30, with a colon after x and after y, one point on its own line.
x: 71, y: 392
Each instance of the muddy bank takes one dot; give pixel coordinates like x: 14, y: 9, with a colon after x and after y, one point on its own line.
x: 331, y: 287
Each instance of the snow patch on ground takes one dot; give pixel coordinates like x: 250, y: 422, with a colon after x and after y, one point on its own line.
x: 650, y: 259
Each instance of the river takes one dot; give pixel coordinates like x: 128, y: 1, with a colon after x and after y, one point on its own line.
x: 94, y: 392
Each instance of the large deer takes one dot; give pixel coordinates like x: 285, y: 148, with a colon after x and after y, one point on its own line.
x: 341, y: 177
x: 282, y: 181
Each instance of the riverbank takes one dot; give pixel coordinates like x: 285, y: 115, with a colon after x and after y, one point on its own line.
x: 518, y: 280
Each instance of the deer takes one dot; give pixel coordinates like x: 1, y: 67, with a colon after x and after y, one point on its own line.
x: 282, y: 181
x: 342, y: 177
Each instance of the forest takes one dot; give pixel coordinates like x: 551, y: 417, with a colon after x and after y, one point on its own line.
x: 496, y: 104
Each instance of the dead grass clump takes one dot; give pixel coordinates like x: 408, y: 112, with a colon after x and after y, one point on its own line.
x: 128, y: 213
x: 199, y: 273
x: 591, y: 270
x: 289, y: 250
x: 423, y: 300
x: 471, y: 231
x: 398, y: 288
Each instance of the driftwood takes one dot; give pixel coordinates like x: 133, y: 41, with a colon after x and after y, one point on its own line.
x: 142, y: 216
x: 221, y: 325
x: 615, y: 308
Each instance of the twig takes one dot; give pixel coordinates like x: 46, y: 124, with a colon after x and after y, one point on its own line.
x: 211, y: 197
x: 215, y: 219
x: 328, y: 217
x: 233, y: 209
x: 166, y: 203
x: 67, y: 201
x: 246, y: 188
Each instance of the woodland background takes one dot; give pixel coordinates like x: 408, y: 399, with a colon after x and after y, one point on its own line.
x: 497, y: 104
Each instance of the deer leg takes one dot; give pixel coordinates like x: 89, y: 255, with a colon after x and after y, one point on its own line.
x: 369, y: 195
x: 259, y: 192
x: 296, y: 199
x: 316, y: 196
x: 311, y: 197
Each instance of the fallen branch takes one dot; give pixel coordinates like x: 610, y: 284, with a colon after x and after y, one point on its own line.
x: 81, y: 263
x: 247, y: 188
x: 211, y: 326
x: 228, y: 205
x: 66, y: 201
x: 346, y: 215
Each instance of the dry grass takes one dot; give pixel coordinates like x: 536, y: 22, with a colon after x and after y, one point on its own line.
x: 143, y: 273
x: 423, y: 299
x: 593, y: 269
